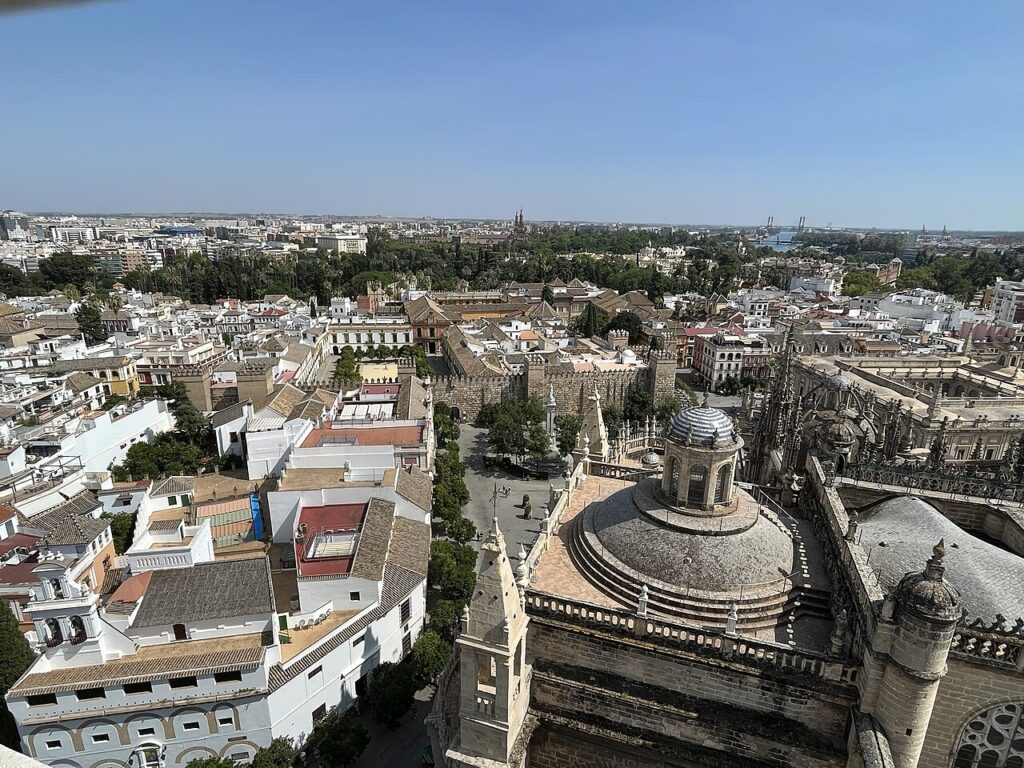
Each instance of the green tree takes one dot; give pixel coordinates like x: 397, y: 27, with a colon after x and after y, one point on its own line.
x: 431, y: 654
x: 15, y: 657
x: 346, y: 369
x: 122, y: 530
x: 612, y: 415
x: 312, y: 308
x: 538, y: 442
x: 590, y: 322
x: 391, y: 691
x: 547, y: 295
x: 445, y: 617
x: 167, y: 455
x: 62, y: 269
x: 212, y: 762
x: 337, y: 741
x: 280, y: 753
x: 90, y: 323
x: 452, y: 570
x: 860, y: 282
x: 190, y: 424
x: 629, y: 322
x: 113, y: 400
x: 567, y: 430
x: 114, y: 303
x: 666, y: 409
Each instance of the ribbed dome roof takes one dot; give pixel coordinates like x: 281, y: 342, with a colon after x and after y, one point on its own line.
x: 697, y: 424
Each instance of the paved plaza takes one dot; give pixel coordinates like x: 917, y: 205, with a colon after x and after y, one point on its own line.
x: 481, y: 481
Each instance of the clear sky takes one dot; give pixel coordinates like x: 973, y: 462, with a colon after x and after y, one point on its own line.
x: 889, y: 114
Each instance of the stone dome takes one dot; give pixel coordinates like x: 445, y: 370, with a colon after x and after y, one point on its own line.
x: 928, y: 593
x: 754, y: 558
x: 842, y: 432
x: 650, y: 459
x: 840, y: 381
x: 697, y: 424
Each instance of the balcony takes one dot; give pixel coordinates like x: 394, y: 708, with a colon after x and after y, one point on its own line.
x: 77, y: 639
x: 54, y: 641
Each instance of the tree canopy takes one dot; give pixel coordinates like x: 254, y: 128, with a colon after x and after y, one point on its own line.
x: 15, y: 657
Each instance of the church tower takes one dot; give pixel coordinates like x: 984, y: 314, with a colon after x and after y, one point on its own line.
x: 494, y: 691
x: 924, y: 615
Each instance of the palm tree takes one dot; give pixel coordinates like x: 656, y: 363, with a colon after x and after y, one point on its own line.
x: 114, y: 303
x: 71, y: 292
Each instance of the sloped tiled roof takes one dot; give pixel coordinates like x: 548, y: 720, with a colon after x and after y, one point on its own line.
x: 285, y: 400
x: 207, y: 591
x: 82, y: 503
x: 80, y: 382
x: 410, y: 545
x: 174, y: 485
x: 373, y: 540
x: 414, y: 484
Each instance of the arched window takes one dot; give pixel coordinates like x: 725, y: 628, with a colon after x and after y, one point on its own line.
x: 180, y: 633
x: 77, y: 630
x: 993, y: 738
x: 722, y: 487
x: 695, y: 489
x: 673, y: 482
x: 58, y: 588
x: 54, y: 634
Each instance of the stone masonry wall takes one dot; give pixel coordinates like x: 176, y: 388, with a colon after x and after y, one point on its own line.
x: 816, y: 711
x: 571, y: 389
x: 966, y: 690
x: 652, y: 724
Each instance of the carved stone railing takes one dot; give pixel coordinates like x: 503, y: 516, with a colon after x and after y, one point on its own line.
x: 993, y: 648
x: 620, y: 472
x: 912, y: 478
x: 760, y: 653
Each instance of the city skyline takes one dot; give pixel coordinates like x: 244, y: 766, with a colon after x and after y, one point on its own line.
x: 870, y: 117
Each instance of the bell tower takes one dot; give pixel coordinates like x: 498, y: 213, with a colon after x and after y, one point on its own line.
x: 494, y: 691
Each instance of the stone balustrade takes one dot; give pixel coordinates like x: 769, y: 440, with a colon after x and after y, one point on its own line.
x: 726, y: 645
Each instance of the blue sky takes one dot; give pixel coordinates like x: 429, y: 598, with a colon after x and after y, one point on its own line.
x: 866, y: 114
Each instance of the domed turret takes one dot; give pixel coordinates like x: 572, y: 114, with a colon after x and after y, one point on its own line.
x: 697, y: 425
x: 927, y: 593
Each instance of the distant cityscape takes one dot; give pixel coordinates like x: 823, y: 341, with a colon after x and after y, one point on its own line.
x: 299, y: 491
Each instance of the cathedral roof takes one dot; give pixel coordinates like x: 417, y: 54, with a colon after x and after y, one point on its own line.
x: 900, y: 533
x: 697, y: 424
x: 755, y: 557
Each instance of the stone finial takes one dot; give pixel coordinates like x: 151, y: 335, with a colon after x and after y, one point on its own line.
x: 707, y: 399
x: 641, y: 608
x: 731, y: 619
x: 851, y: 529
x: 934, y: 569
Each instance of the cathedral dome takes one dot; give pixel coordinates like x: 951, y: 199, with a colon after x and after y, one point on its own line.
x: 696, y: 425
x: 840, y: 381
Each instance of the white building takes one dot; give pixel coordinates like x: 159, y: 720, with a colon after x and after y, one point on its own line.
x: 342, y: 243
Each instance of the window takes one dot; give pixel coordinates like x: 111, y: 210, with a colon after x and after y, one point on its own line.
x: 172, y: 500
x: 100, y: 738
x: 695, y: 490
x: 90, y: 693
x: 358, y: 641
x: 406, y: 611
x: 180, y: 632
x: 53, y: 744
x: 240, y: 756
x: 182, y: 682
x: 133, y: 689
x: 235, y: 676
x: 353, y: 596
x: 191, y: 725
x: 724, y: 481
x: 41, y: 700
x: 993, y: 738
x: 314, y: 672
x: 147, y: 731
x: 406, y: 644
x: 225, y: 720
x: 234, y: 437
x: 319, y: 713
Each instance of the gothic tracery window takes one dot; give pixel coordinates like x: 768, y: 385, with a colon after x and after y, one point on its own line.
x: 993, y: 739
